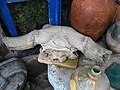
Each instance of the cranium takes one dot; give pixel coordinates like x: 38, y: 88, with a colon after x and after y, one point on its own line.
x: 58, y: 43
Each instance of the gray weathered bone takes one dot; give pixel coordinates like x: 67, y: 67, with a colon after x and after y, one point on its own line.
x: 61, y: 39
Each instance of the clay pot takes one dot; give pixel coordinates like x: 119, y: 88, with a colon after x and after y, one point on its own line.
x: 117, y: 15
x: 89, y: 78
x: 92, y: 17
x: 113, y: 37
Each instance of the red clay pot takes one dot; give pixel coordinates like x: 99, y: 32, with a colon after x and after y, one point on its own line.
x: 92, y: 17
x: 117, y: 15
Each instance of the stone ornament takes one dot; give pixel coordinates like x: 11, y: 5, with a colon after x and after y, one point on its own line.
x: 113, y: 37
x: 13, y: 75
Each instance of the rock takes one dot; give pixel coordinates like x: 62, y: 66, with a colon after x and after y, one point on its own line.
x: 42, y: 81
x: 59, y: 77
x: 34, y: 67
x: 3, y: 48
x: 13, y: 74
x: 22, y: 53
x: 39, y: 83
x: 32, y: 86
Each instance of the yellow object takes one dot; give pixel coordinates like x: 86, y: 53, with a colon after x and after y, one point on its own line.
x: 73, y: 85
x: 69, y: 63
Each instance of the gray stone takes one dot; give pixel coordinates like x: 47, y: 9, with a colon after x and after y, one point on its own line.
x: 3, y: 49
x: 13, y: 74
x: 2, y: 82
x: 22, y: 53
x: 42, y: 81
x: 34, y: 67
x: 16, y: 82
x: 39, y: 83
x: 59, y: 77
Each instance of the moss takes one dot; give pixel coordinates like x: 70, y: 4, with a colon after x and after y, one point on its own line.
x: 30, y: 15
x: 34, y: 14
x: 69, y: 63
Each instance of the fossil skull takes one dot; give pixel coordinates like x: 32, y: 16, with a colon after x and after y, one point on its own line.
x: 58, y: 43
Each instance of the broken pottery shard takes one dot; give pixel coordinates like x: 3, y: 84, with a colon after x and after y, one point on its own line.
x: 13, y: 74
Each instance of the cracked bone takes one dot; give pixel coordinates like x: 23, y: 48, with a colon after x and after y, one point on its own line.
x: 59, y: 38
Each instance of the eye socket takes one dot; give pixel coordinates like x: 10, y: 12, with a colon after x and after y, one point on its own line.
x: 54, y: 59
x: 64, y: 56
x: 46, y: 54
x: 76, y: 53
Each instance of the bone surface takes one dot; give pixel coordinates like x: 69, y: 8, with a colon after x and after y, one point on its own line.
x: 58, y: 38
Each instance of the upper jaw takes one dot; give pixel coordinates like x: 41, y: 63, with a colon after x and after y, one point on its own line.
x: 61, y: 56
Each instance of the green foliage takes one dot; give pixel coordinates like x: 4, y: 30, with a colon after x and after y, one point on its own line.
x: 30, y: 15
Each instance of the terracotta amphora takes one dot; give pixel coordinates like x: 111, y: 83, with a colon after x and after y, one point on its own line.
x: 117, y: 15
x: 92, y: 17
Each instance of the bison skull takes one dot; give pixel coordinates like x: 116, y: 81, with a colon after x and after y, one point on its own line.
x: 58, y: 43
